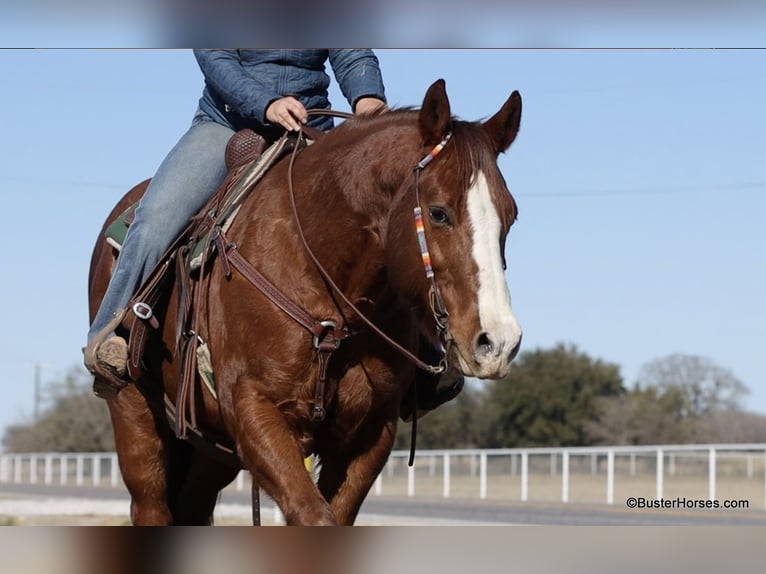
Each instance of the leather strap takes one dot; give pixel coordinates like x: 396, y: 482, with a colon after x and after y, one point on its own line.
x: 327, y: 336
x: 409, y: 355
x: 300, y: 315
x: 142, y: 305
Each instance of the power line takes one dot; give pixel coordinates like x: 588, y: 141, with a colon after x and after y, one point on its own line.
x: 644, y: 191
x: 55, y: 182
x: 526, y: 194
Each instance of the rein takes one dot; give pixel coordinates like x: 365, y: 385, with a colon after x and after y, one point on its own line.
x: 437, y: 305
x: 438, y: 309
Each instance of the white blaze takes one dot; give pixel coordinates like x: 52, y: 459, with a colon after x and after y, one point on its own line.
x: 497, y: 318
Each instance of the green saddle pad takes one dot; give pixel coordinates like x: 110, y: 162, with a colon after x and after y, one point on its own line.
x: 116, y: 232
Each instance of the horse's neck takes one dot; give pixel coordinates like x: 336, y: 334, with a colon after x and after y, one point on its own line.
x: 349, y: 219
x: 372, y: 169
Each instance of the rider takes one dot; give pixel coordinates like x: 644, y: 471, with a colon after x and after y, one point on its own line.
x: 267, y: 91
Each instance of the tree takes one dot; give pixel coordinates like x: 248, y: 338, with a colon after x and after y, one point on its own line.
x: 76, y: 421
x: 677, y: 399
x: 547, y: 399
x: 704, y: 386
x: 730, y: 426
x: 640, y: 416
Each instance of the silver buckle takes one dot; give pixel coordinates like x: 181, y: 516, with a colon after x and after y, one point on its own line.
x: 143, y: 311
x: 326, y: 325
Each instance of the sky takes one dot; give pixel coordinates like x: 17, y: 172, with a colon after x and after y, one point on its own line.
x: 640, y: 177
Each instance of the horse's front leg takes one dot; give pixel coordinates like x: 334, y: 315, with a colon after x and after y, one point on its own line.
x: 345, y: 482
x: 272, y: 454
x: 142, y: 456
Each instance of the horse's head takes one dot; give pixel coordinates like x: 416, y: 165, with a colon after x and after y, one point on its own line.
x: 467, y: 212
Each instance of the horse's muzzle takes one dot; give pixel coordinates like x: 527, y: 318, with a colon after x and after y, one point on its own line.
x: 490, y: 358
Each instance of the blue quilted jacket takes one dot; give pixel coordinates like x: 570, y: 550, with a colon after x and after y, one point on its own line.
x: 240, y: 84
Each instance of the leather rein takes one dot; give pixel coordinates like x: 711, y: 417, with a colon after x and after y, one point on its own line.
x: 327, y: 336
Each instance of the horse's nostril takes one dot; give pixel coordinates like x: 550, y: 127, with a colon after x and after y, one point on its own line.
x: 515, y: 350
x: 484, y: 345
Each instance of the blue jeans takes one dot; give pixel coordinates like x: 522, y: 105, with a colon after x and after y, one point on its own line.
x: 185, y: 180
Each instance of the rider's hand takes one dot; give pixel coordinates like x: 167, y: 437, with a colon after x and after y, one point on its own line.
x: 287, y: 112
x: 369, y: 105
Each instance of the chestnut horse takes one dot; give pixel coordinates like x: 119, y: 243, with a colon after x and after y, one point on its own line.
x: 354, y: 191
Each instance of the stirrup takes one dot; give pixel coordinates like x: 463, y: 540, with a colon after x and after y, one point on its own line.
x: 106, y: 385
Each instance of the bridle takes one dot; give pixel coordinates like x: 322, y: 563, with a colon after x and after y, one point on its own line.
x: 436, y: 303
x: 438, y: 309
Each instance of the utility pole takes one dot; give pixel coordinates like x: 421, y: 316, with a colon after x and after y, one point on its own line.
x: 38, y: 368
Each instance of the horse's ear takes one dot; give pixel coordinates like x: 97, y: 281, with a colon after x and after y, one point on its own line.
x: 434, y: 114
x: 504, y: 125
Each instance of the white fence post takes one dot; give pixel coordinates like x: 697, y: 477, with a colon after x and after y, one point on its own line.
x: 63, y: 469
x: 48, y: 472
x: 33, y: 469
x: 660, y: 472
x: 79, y: 469
x: 379, y: 485
x: 17, y: 469
x: 411, y: 480
x: 565, y: 476
x: 524, y: 476
x: 114, y: 471
x: 5, y: 475
x: 96, y: 469
x: 483, y: 476
x: 240, y: 484
x: 446, y: 484
x: 279, y: 518
x: 711, y: 474
x: 610, y: 477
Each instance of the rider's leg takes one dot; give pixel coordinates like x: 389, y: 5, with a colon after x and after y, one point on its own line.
x: 185, y: 180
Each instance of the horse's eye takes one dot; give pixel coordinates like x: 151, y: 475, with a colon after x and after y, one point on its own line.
x: 438, y: 215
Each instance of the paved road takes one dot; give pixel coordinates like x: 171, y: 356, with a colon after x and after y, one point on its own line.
x: 438, y: 511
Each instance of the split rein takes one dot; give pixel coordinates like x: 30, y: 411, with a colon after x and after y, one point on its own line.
x: 326, y: 334
x: 436, y: 303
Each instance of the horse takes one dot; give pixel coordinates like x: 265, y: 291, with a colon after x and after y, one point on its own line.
x: 388, y: 229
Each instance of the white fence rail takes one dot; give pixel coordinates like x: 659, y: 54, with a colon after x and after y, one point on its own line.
x: 606, y: 474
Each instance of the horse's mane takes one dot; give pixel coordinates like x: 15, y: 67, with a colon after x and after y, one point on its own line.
x: 472, y: 146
